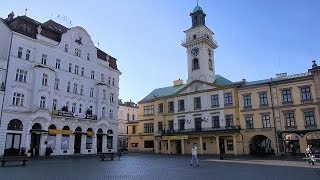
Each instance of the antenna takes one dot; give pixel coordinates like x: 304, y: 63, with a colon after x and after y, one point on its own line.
x: 26, y: 9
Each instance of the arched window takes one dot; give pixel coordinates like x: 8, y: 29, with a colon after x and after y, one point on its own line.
x: 78, y: 129
x: 51, y: 139
x: 65, y: 138
x: 100, y: 131
x: 15, y: 125
x: 210, y: 64
x: 109, y: 139
x: 110, y: 131
x: 36, y: 126
x: 195, y: 64
x: 89, y: 138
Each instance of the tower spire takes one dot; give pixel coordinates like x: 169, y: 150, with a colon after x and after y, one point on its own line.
x: 197, y: 2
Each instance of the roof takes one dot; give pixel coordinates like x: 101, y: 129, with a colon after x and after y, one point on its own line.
x: 197, y: 8
x: 54, y: 26
x: 276, y: 79
x: 168, y: 91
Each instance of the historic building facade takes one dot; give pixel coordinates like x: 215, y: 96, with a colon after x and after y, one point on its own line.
x: 277, y: 115
x: 128, y: 112
x: 61, y: 92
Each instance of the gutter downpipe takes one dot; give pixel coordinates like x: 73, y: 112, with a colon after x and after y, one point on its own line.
x: 6, y: 78
x: 274, y: 120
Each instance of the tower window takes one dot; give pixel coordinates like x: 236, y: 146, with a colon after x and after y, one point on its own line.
x: 210, y: 64
x: 195, y: 64
x: 194, y: 36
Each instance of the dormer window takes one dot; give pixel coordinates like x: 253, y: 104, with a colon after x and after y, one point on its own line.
x: 77, y: 52
x: 26, y: 28
x: 195, y: 64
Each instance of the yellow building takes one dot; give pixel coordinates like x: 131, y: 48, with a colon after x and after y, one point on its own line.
x: 268, y: 116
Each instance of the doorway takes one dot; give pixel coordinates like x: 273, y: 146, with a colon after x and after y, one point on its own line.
x: 178, y: 147
x: 221, y: 146
x: 35, y: 143
x: 77, y: 143
x: 99, y: 143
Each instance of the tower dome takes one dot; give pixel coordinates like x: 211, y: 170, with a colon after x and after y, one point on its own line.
x: 197, y: 8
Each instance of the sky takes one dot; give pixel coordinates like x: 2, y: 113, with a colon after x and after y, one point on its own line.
x: 256, y: 39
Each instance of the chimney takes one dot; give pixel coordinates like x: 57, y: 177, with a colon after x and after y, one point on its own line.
x: 178, y: 82
x: 281, y: 75
x: 10, y: 16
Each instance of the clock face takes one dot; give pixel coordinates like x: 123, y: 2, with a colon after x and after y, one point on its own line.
x: 195, y: 51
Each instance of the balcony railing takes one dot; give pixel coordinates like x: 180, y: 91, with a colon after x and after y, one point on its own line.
x: 75, y: 115
x: 202, y: 130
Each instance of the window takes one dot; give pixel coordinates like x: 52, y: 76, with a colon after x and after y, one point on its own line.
x: 170, y: 125
x: 68, y: 86
x: 82, y: 71
x: 133, y: 129
x: 109, y: 142
x: 181, y: 124
x: 66, y: 48
x: 54, y: 104
x: 81, y: 89
x: 28, y: 54
x: 18, y: 99
x: 148, y: 110
x: 290, y: 120
x: 75, y: 88
x: 229, y: 144
x: 128, y: 117
x: 195, y: 36
x: 305, y: 93
x: 104, y: 92
x: 42, y: 102
x: 204, y: 146
x: 263, y: 99
x: 210, y: 64
x: 76, y: 69
x: 77, y: 52
x: 195, y: 64
x: 102, y: 77
x: 92, y: 74
x: 103, y: 112
x: 67, y: 105
x: 111, y: 97
x: 197, y: 103
x: 109, y: 81
x: 181, y: 105
x: 58, y: 63
x: 159, y: 126
x: 133, y: 117
x: 160, y: 108
x: 229, y: 120
x: 80, y: 108
x: 21, y: 75
x: 286, y: 96
x: 170, y: 106
x: 44, y: 59
x: 56, y: 83
x: 88, y: 56
x: 74, y: 107
x: 247, y: 101
x: 113, y: 80
x: 89, y: 139
x: 148, y: 144
x: 111, y: 114
x: 266, y: 121
x: 215, y: 122
x: 249, y: 122
x: 215, y: 100
x: 20, y: 50
x: 26, y: 28
x: 148, y: 127
x: 70, y: 67
x: 91, y: 92
x: 309, y: 118
x: 227, y: 99
x: 44, y: 79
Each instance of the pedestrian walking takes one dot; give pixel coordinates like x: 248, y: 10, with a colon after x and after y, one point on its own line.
x: 309, y: 155
x: 194, y: 155
x: 119, y: 154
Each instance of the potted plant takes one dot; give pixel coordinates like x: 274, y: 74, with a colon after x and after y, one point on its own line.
x: 29, y: 152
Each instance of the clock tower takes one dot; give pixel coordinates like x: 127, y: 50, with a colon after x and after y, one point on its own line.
x: 200, y: 47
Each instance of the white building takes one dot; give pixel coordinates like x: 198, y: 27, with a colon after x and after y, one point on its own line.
x: 61, y: 91
x: 128, y: 112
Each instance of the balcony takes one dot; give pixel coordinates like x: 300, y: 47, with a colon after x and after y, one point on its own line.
x: 74, y: 115
x: 202, y: 130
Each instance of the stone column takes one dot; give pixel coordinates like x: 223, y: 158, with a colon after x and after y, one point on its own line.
x: 201, y: 145
x: 169, y: 147
x: 217, y: 144
x: 182, y: 146
x: 235, y: 152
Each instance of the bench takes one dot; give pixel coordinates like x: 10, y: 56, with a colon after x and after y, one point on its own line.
x: 105, y: 155
x: 22, y: 158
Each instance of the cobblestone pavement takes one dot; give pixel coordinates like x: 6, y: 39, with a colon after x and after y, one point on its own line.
x: 149, y: 166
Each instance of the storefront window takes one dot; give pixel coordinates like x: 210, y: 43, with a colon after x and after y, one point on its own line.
x: 229, y: 145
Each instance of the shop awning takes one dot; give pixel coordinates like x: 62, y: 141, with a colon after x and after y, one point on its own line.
x: 58, y: 131
x: 38, y: 131
x: 174, y: 137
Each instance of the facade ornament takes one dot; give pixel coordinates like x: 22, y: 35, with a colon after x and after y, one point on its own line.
x: 39, y: 29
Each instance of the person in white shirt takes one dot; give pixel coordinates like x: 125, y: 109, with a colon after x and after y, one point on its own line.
x: 194, y: 152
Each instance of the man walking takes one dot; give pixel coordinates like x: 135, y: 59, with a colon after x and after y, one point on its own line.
x: 194, y: 155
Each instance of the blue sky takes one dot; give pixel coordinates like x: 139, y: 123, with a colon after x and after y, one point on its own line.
x: 256, y: 39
